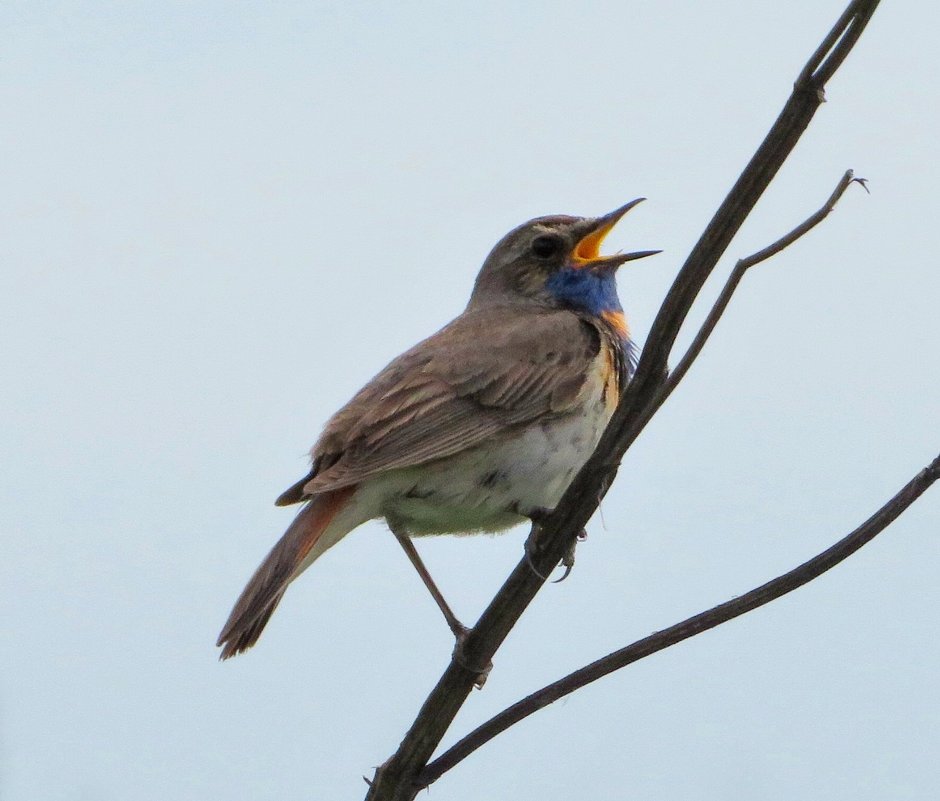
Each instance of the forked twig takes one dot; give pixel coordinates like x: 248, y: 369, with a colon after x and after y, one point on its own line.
x: 697, y: 624
x: 552, y: 692
x: 742, y: 266
x: 397, y: 778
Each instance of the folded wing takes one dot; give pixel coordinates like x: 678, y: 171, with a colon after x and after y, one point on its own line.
x: 479, y: 377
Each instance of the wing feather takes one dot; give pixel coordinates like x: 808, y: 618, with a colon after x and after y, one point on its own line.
x: 483, y: 375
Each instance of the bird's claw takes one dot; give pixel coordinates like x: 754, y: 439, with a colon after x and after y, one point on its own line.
x: 563, y: 575
x: 530, y: 548
x: 567, y: 560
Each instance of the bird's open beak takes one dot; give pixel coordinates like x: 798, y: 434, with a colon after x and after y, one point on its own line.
x: 587, y: 252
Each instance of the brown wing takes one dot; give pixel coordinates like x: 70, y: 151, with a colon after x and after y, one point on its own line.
x: 483, y: 374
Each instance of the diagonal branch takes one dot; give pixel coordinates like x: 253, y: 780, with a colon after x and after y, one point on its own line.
x: 396, y: 779
x: 808, y: 93
x: 724, y: 297
x: 742, y: 266
x: 697, y: 624
x: 536, y: 701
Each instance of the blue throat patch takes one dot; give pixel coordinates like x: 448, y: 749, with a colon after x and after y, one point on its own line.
x: 585, y: 290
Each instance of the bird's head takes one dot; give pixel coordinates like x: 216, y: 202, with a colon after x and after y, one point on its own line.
x: 555, y: 262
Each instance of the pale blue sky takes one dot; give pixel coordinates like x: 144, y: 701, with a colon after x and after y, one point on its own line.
x: 218, y: 220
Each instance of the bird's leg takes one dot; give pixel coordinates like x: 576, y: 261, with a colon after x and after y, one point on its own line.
x: 459, y: 630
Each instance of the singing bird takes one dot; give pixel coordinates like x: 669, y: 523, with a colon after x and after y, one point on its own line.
x: 475, y: 429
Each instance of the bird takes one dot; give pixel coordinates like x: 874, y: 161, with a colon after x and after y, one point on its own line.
x: 477, y: 428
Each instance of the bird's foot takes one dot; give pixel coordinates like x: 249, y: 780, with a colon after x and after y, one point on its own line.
x: 567, y: 561
x: 460, y: 657
x: 532, y: 547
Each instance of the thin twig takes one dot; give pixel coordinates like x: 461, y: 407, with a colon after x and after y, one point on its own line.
x: 860, y: 12
x: 742, y: 266
x: 731, y: 285
x: 704, y: 621
x: 827, y: 44
x: 395, y: 780
x: 808, y: 224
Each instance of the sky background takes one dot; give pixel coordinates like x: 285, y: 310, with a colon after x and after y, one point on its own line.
x: 220, y: 219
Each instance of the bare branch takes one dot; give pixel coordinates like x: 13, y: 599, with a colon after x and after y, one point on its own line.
x: 731, y: 285
x: 837, y: 44
x: 808, y: 224
x: 396, y: 780
x: 704, y: 621
x: 734, y: 279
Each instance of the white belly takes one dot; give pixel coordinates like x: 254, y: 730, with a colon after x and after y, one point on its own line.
x: 494, y: 486
x: 490, y: 487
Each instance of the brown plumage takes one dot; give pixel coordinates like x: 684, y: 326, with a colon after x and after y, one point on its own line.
x: 452, y: 392
x: 475, y: 427
x: 263, y: 592
x: 445, y: 395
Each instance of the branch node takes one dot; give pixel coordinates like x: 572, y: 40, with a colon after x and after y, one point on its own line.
x: 459, y: 656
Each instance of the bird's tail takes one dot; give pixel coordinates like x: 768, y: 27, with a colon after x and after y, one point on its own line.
x: 287, y: 560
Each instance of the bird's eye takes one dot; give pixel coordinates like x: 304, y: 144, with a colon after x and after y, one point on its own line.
x: 544, y: 247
